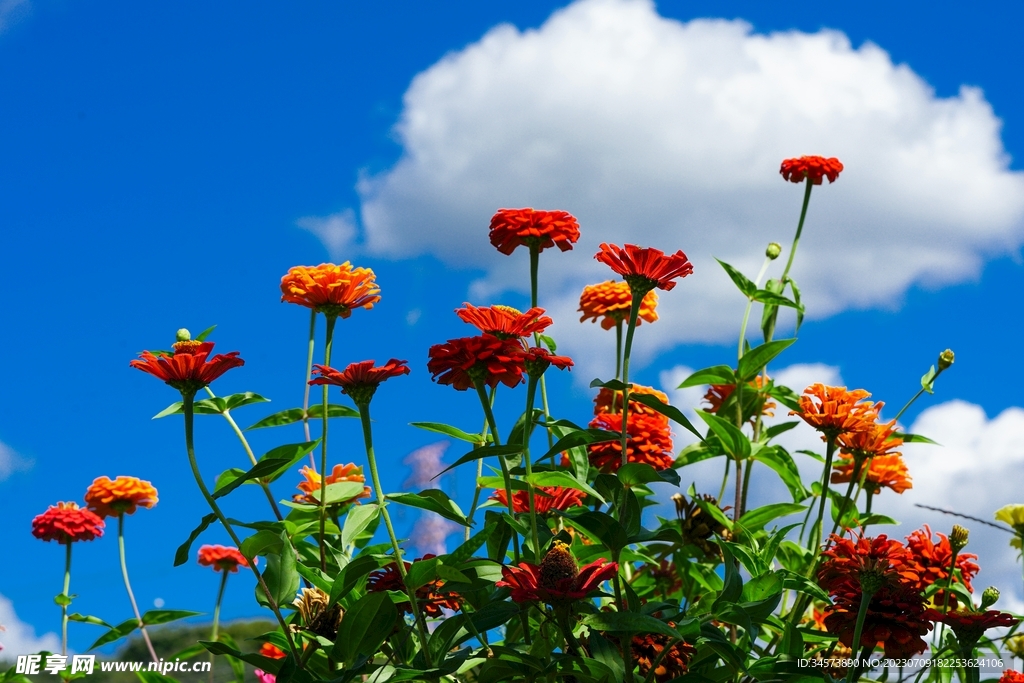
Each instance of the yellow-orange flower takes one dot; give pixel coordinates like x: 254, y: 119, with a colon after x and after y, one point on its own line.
x: 610, y: 302
x: 310, y: 486
x: 834, y: 410
x: 123, y: 495
x: 871, y: 441
x: 330, y: 289
x: 888, y: 471
x: 606, y: 398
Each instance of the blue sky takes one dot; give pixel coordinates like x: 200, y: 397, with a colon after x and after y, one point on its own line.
x: 155, y: 161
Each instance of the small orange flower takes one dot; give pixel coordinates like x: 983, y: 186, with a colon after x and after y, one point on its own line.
x: 222, y: 558
x: 360, y: 380
x: 888, y: 471
x: 187, y: 368
x: 485, y: 357
x: 606, y: 398
x: 67, y: 523
x: 719, y: 393
x: 648, y: 440
x: 123, y: 495
x: 272, y: 651
x: 871, y: 441
x: 814, y: 168
x: 330, y: 289
x: 834, y: 410
x: 511, y: 228
x: 547, y: 498
x: 310, y: 486
x: 644, y: 268
x: 504, y: 322
x: 610, y: 301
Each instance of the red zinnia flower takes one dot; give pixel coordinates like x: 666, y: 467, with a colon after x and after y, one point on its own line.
x: 1011, y: 676
x: 330, y: 289
x: 815, y: 168
x: 608, y: 401
x: 896, y: 618
x: 931, y: 563
x: 649, y: 440
x: 187, y: 368
x: 879, y: 561
x: 430, y: 597
x: 271, y: 651
x: 557, y: 579
x: 645, y: 268
x: 647, y: 649
x: 485, y: 357
x: 222, y: 558
x: 123, y: 495
x: 969, y: 627
x: 511, y: 228
x: 610, y: 301
x: 67, y: 523
x: 537, y: 360
x: 888, y: 471
x: 546, y: 499
x: 834, y: 410
x: 504, y: 322
x: 360, y: 380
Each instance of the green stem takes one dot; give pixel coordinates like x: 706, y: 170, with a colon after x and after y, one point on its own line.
x: 618, y: 354
x: 188, y: 402
x: 531, y: 390
x: 216, y: 616
x: 862, y: 613
x: 746, y: 485
x: 737, y: 511
x: 309, y: 371
x: 854, y: 478
x: 421, y: 624
x: 725, y: 478
x: 918, y: 394
x: 634, y: 310
x: 331, y: 319
x: 750, y: 303
x: 534, y: 266
x: 480, y: 464
x: 496, y: 439
x: 128, y: 587
x: 67, y: 596
x: 799, y: 230
x: 830, y: 449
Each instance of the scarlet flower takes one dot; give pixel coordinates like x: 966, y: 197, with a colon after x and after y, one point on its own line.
x: 557, y: 579
x: 969, y: 627
x: 330, y: 289
x: 932, y: 560
x: 888, y: 471
x: 647, y: 649
x: 486, y: 357
x: 877, y: 561
x: 610, y: 301
x: 222, y: 558
x: 834, y: 410
x: 546, y: 499
x: 310, y: 486
x: 537, y: 360
x: 1011, y: 676
x: 187, y: 368
x: 360, y: 380
x: 896, y: 619
x: 814, y: 168
x: 67, y: 523
x: 645, y: 268
x: 648, y: 440
x: 511, y: 228
x: 271, y: 651
x: 504, y: 322
x: 720, y: 393
x: 123, y: 495
x: 606, y: 398
x: 431, y: 597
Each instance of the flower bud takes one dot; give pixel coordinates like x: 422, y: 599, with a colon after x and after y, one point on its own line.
x: 182, y: 335
x: 989, y: 597
x: 1016, y: 646
x: 773, y: 250
x: 958, y: 538
x: 946, y: 359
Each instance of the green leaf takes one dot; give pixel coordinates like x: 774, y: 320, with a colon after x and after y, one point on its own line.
x: 292, y: 415
x: 739, y: 279
x: 150, y: 618
x: 340, y: 492
x: 878, y: 519
x: 928, y: 380
x: 613, y: 384
x: 62, y: 599
x: 181, y: 554
x: 709, y: 508
x: 86, y: 619
x: 754, y: 360
x: 565, y: 480
x: 783, y: 465
x: 799, y: 306
x: 357, y: 521
x: 718, y: 374
x: 628, y: 623
x: 640, y: 473
x: 916, y: 438
x: 350, y: 575
x: 434, y: 500
x: 421, y: 573
x: 481, y: 453
x: 214, y: 406
x: 205, y: 333
x: 600, y: 527
x: 548, y: 342
x: 582, y: 437
x: 165, y: 616
x: 449, y: 430
x: 263, y: 542
x: 768, y: 297
x: 754, y: 520
x: 671, y: 412
x: 116, y: 633
x: 366, y: 625
x: 316, y: 411
x: 154, y: 677
x: 269, y: 467
x: 734, y: 441
x: 280, y: 575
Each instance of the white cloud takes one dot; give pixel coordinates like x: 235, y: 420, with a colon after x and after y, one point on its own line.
x: 337, y: 232
x: 11, y: 462
x: 19, y: 638
x: 670, y: 134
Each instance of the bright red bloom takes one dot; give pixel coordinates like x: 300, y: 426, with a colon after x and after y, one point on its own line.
x: 360, y: 380
x: 222, y: 558
x: 645, y: 268
x: 607, y: 398
x: 834, y: 410
x: 649, y: 440
x: 67, y: 523
x: 330, y: 289
x: 1011, y: 676
x: 557, y: 579
x: 511, y: 228
x: 896, y: 619
x: 969, y: 627
x: 879, y: 560
x: 610, y: 301
x: 814, y: 168
x: 123, y: 495
x: 888, y: 471
x: 430, y: 597
x: 647, y: 649
x: 187, y: 368
x: 504, y: 322
x: 931, y: 563
x: 486, y: 357
x: 546, y: 499
x: 271, y: 651
x: 537, y: 360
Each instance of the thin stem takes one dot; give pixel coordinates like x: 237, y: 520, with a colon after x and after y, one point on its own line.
x: 188, y: 401
x: 799, y: 230
x: 746, y: 484
x: 480, y: 464
x: 949, y: 586
x: 830, y: 449
x: 534, y: 266
x: 725, y: 478
x: 66, y: 596
x: 531, y: 390
x: 862, y: 613
x: 128, y: 587
x: 489, y: 414
x: 216, y: 616
x: 737, y: 511
x: 634, y: 310
x: 618, y: 353
x: 750, y: 303
x: 331, y: 319
x: 309, y: 371
x: 421, y: 625
x: 854, y: 478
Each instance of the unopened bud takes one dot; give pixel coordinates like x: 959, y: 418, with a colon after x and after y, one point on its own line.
x: 1016, y: 646
x: 182, y: 335
x: 773, y: 250
x: 989, y: 597
x: 958, y: 538
x: 946, y: 359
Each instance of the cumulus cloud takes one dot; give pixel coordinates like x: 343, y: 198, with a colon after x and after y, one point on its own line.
x: 670, y: 134
x: 19, y: 638
x: 11, y: 462
x: 337, y: 231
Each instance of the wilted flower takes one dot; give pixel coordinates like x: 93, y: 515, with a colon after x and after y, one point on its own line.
x: 695, y: 526
x: 187, y: 368
x: 485, y: 357
x: 330, y: 289
x: 123, y: 495
x: 557, y: 579
x: 318, y: 615
x: 222, y: 558
x: 511, y: 228
x: 649, y: 440
x: 812, y: 167
x: 610, y: 302
x: 546, y: 499
x: 645, y: 268
x: 648, y: 648
x: 834, y: 410
x: 432, y: 597
x: 310, y: 486
x: 67, y: 523
x: 504, y: 322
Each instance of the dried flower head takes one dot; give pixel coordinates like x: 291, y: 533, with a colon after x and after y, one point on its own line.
x: 318, y: 615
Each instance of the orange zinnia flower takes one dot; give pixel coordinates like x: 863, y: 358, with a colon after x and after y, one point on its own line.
x: 511, y: 228
x: 871, y: 441
x: 67, y: 523
x: 360, y: 380
x: 610, y: 301
x: 485, y: 357
x: 648, y: 440
x: 431, y: 597
x: 719, y: 393
x: 187, y: 368
x: 222, y: 558
x: 271, y: 651
x: 504, y: 322
x: 123, y: 495
x: 606, y: 398
x: 547, y: 498
x: 814, y: 168
x: 330, y: 289
x: 932, y: 560
x: 887, y: 471
x: 340, y: 473
x: 558, y: 579
x: 834, y: 410
x: 644, y: 268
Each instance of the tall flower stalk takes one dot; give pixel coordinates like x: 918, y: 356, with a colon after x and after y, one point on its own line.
x: 128, y: 588
x: 328, y: 343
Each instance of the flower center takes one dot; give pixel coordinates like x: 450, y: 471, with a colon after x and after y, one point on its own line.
x: 558, y: 565
x: 507, y: 309
x: 187, y: 347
